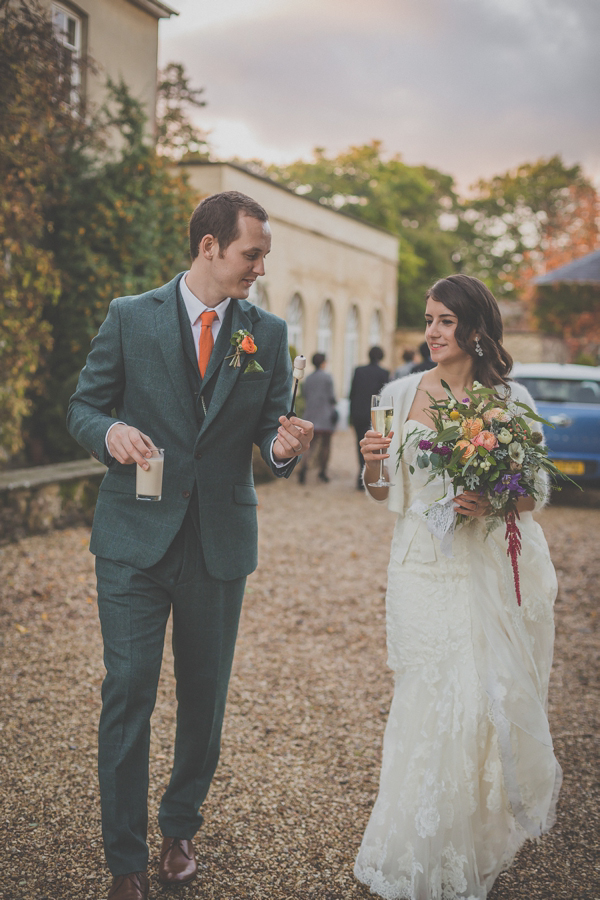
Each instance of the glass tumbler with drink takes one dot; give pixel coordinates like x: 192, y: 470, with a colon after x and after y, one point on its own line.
x: 382, y: 412
x: 148, y: 482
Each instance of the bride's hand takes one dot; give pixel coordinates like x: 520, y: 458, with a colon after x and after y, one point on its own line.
x: 372, y: 444
x: 471, y: 504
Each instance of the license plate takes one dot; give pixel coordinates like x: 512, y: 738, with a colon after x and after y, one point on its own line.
x: 569, y: 466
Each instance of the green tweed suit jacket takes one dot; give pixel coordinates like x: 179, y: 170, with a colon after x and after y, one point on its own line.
x: 135, y: 373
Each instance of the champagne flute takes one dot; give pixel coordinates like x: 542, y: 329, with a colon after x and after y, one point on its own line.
x: 382, y: 412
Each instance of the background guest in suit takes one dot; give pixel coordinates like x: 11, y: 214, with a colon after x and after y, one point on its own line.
x: 408, y: 363
x: 425, y: 359
x: 319, y: 397
x: 367, y: 380
x: 162, y: 373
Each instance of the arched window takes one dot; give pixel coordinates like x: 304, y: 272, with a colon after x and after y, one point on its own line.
x: 351, y: 348
x: 325, y: 329
x: 258, y: 295
x: 375, y: 329
x: 295, y: 321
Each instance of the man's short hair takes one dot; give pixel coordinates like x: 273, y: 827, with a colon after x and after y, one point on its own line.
x: 318, y: 360
x: 219, y: 215
x: 376, y: 354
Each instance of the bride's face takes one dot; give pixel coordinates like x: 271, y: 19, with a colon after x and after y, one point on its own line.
x: 439, y: 333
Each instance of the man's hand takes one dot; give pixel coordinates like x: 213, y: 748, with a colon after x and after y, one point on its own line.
x: 293, y: 438
x: 128, y: 445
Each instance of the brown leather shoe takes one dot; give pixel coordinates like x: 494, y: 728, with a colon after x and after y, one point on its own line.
x: 129, y: 887
x: 177, y: 861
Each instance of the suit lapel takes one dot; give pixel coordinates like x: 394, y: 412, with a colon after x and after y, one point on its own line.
x: 228, y: 375
x: 171, y: 346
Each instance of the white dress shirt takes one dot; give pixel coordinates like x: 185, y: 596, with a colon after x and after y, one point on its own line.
x: 194, y: 308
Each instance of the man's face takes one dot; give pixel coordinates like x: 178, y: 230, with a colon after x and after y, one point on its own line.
x: 243, y: 261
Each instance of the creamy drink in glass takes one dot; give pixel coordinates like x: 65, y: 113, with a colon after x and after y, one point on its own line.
x: 148, y: 483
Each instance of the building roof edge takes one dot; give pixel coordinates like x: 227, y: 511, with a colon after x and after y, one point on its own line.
x: 585, y: 270
x: 288, y: 190
x: 156, y: 8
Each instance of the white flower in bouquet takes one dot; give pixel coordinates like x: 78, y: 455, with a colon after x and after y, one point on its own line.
x: 516, y: 452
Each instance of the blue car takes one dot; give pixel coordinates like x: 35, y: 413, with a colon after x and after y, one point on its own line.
x: 568, y: 396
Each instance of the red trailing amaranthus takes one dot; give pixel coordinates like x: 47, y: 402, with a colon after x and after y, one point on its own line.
x: 513, y: 537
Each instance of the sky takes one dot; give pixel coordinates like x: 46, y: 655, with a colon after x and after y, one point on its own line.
x: 470, y: 87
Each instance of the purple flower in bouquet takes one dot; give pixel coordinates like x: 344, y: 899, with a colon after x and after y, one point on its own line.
x: 511, y: 483
x: 425, y: 445
x: 443, y: 451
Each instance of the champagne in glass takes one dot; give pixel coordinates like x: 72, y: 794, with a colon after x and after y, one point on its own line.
x: 382, y: 414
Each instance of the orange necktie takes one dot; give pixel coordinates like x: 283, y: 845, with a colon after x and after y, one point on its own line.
x: 206, y: 339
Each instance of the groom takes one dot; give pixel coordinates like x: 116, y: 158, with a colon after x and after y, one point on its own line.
x: 160, y: 374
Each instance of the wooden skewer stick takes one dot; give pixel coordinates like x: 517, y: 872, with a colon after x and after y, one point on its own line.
x: 298, y: 375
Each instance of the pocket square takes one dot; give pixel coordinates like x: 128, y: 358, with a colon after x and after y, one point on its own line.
x: 253, y: 366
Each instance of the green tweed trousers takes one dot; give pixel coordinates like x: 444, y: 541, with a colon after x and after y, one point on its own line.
x: 134, y: 607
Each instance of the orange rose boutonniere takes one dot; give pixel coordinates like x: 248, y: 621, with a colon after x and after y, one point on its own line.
x: 243, y: 342
x: 248, y: 345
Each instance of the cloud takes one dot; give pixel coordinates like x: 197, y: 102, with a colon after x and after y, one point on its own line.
x: 472, y: 87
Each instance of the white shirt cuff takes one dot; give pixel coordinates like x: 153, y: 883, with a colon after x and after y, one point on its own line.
x: 279, y: 464
x: 107, y: 434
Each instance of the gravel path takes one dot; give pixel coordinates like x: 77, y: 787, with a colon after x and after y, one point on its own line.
x: 308, y: 703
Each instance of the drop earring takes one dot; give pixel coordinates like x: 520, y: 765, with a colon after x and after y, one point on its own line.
x: 478, y: 348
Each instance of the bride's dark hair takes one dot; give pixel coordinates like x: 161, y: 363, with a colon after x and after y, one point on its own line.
x: 477, y: 312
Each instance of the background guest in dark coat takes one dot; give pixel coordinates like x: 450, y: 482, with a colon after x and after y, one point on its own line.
x: 367, y: 380
x: 426, y: 359
x: 319, y: 397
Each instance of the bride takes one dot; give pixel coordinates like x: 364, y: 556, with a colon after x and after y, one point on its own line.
x: 468, y: 770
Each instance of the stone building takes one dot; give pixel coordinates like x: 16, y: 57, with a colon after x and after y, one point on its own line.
x: 120, y: 36
x: 331, y: 277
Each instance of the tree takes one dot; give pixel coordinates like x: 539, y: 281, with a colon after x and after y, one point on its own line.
x: 119, y: 226
x: 176, y: 136
x: 79, y: 223
x: 572, y: 312
x: 37, y: 122
x: 524, y: 221
x: 406, y: 200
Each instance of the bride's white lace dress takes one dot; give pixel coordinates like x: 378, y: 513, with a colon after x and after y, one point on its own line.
x: 468, y: 769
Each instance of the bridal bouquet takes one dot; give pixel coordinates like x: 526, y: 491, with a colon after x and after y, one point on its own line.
x: 484, y: 444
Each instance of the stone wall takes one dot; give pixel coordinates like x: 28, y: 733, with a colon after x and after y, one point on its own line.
x: 35, y: 500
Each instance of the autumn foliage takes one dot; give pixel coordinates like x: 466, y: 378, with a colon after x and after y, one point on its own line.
x: 79, y: 224
x: 34, y: 118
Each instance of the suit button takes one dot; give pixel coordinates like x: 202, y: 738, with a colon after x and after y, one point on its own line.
x: 94, y: 454
x: 186, y: 494
x: 198, y: 455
